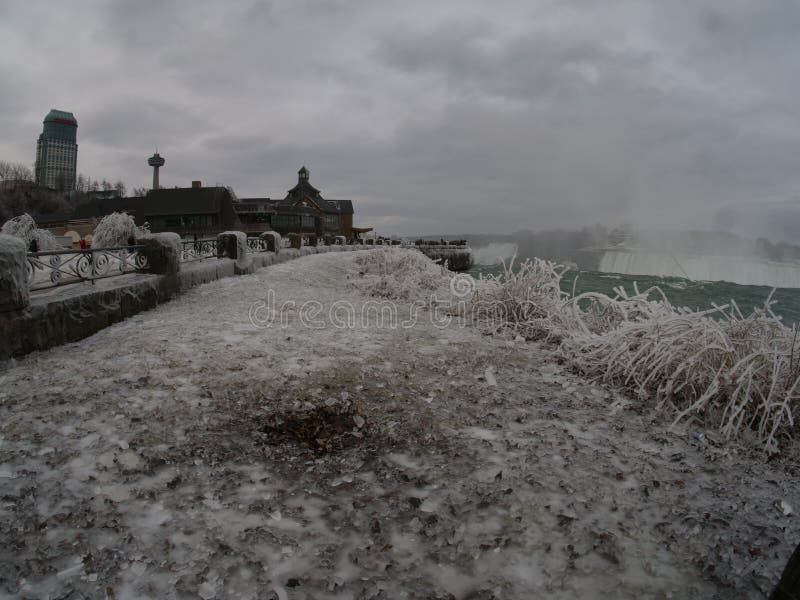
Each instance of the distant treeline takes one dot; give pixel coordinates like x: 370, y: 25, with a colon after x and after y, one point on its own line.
x: 19, y: 194
x: 440, y: 242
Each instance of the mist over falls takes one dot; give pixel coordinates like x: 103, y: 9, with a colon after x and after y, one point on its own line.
x: 587, y: 247
x: 494, y: 253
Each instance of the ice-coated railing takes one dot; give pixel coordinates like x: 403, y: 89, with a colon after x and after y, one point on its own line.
x: 257, y: 244
x: 193, y: 250
x: 53, y: 268
x: 61, y: 267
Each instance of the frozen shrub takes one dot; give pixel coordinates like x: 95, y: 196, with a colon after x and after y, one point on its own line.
x: 116, y: 229
x: 737, y: 373
x: 24, y: 227
x: 401, y: 274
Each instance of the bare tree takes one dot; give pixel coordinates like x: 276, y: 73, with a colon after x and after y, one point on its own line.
x: 11, y: 172
x: 17, y: 200
x: 120, y: 188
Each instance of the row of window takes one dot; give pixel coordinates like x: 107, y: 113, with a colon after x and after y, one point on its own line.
x: 282, y: 221
x: 290, y: 221
x: 278, y: 221
x: 62, y: 148
x: 163, y: 222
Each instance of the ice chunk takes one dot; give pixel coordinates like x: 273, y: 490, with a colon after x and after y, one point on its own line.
x: 207, y: 590
x: 280, y: 592
x: 480, y: 433
x: 72, y: 571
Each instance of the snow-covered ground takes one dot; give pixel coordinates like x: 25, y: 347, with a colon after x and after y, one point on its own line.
x: 189, y: 453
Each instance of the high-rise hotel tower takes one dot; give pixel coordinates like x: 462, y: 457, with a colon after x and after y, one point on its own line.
x: 57, y: 151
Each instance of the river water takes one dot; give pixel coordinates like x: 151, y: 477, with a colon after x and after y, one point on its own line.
x: 697, y: 295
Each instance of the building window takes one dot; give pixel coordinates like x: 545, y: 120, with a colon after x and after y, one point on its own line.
x: 286, y: 221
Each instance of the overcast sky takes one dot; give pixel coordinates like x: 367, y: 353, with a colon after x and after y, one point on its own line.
x: 434, y: 117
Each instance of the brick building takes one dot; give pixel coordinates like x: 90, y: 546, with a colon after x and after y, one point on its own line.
x: 303, y: 211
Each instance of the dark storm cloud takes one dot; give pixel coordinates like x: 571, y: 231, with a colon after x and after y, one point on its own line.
x: 433, y: 117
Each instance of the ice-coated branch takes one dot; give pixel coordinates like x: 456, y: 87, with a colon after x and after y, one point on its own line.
x: 116, y: 230
x: 736, y: 373
x: 24, y: 227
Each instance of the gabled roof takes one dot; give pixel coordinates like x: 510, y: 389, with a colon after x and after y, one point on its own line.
x: 304, y: 197
x: 305, y: 203
x: 254, y: 200
x: 345, y: 207
x: 303, y: 189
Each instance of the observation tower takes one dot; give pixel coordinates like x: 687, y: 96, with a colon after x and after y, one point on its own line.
x: 156, y: 161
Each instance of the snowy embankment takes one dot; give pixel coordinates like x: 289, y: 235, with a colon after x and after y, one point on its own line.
x: 736, y: 373
x: 190, y: 452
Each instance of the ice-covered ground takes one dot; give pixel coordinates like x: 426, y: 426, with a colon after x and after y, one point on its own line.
x: 188, y: 453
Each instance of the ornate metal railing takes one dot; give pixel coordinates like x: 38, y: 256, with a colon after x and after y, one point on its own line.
x: 256, y: 244
x: 198, y: 249
x: 51, y: 269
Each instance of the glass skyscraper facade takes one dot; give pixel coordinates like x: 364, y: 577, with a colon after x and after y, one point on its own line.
x: 57, y: 151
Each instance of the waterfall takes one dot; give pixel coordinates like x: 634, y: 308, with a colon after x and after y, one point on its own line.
x: 736, y: 269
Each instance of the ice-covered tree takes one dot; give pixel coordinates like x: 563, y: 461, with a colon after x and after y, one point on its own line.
x: 116, y: 229
x: 24, y: 227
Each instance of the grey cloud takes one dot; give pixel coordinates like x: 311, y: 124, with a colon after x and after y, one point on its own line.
x: 525, y: 66
x: 141, y: 122
x: 448, y: 117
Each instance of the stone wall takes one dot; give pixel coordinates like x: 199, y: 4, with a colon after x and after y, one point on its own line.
x: 48, y: 322
x: 458, y: 258
x: 14, y: 293
x: 79, y: 310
